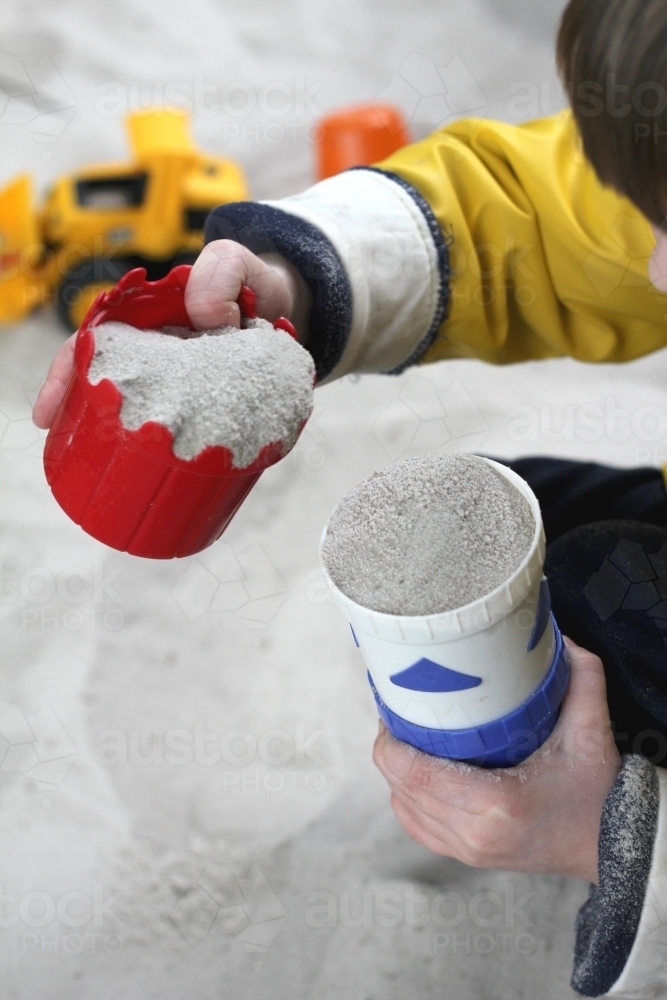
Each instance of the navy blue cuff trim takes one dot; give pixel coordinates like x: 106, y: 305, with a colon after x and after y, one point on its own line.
x: 265, y: 229
x: 607, y: 923
x: 442, y: 244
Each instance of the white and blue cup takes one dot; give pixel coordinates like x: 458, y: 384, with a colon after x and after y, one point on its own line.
x: 482, y: 683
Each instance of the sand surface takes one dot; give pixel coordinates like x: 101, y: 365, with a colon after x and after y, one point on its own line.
x: 189, y: 782
x: 241, y: 389
x: 426, y: 535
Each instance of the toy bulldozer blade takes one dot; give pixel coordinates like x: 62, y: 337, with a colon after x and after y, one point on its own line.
x: 22, y: 284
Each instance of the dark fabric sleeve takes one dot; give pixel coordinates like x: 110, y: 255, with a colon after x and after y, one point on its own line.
x: 574, y: 493
x: 607, y: 923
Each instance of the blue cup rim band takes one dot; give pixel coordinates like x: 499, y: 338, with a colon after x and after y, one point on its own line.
x: 502, y: 740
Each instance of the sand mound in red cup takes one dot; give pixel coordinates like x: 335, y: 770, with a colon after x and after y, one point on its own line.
x: 241, y: 389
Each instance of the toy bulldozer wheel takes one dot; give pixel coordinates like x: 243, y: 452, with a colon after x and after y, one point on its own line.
x: 81, y: 286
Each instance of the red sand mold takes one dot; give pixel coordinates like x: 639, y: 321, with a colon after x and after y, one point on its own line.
x: 126, y: 487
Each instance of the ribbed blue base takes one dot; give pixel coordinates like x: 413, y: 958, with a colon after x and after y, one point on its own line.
x: 503, y: 742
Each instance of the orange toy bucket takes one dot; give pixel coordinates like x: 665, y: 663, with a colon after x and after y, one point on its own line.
x: 359, y: 136
x: 127, y: 488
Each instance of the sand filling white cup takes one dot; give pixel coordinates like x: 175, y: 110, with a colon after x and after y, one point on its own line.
x: 242, y: 389
x: 437, y: 563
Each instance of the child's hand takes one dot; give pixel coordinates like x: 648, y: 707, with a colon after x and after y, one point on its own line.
x: 216, y: 279
x: 210, y: 299
x: 52, y: 392
x: 543, y: 816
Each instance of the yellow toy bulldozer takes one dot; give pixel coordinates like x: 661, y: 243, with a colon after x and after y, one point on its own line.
x: 103, y: 221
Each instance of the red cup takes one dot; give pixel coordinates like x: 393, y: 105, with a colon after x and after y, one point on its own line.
x: 127, y: 488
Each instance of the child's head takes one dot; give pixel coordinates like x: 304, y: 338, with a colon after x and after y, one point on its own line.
x: 612, y: 55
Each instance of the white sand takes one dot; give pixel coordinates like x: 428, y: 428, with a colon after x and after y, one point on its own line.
x: 427, y: 535
x: 179, y: 650
x: 243, y: 389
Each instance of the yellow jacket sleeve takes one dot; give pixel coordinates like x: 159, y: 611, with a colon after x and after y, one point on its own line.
x: 545, y: 260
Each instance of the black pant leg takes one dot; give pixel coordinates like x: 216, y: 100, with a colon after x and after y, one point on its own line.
x: 608, y: 584
x: 575, y: 493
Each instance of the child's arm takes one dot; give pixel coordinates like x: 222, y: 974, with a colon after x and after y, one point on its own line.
x: 372, y: 256
x: 365, y: 282
x: 485, y: 240
x: 569, y: 810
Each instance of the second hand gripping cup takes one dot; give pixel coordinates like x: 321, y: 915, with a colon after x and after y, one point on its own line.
x: 126, y: 487
x: 482, y: 683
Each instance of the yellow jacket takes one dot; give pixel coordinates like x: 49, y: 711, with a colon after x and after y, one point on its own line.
x: 546, y: 261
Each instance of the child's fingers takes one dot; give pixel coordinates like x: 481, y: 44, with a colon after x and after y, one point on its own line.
x: 443, y: 821
x: 441, y: 838
x: 419, y: 775
x: 214, y: 285
x: 474, y: 837
x: 587, y: 682
x: 415, y: 829
x: 216, y: 279
x: 51, y: 394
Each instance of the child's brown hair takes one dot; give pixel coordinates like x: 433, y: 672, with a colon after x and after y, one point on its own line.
x: 612, y: 56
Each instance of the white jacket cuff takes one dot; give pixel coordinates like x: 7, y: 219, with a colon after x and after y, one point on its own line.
x: 373, y: 256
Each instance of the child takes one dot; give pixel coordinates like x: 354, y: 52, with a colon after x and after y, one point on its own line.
x: 506, y: 243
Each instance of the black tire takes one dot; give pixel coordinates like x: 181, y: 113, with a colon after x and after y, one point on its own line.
x: 89, y: 272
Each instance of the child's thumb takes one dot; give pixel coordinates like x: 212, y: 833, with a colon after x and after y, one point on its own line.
x: 585, y: 719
